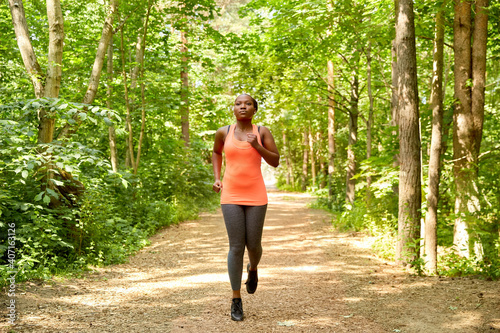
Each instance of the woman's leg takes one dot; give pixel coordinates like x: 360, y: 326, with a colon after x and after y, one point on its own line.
x: 234, y: 218
x: 254, y: 218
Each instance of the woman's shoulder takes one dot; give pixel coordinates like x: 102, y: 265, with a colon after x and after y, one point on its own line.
x: 222, y: 132
x: 224, y: 129
x: 263, y: 129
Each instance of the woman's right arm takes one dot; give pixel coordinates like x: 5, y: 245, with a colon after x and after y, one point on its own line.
x: 217, y: 158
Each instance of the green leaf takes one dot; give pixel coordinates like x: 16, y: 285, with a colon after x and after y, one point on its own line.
x: 39, y: 196
x: 46, y: 199
x: 52, y: 193
x: 108, y: 122
x: 57, y: 182
x: 25, y: 174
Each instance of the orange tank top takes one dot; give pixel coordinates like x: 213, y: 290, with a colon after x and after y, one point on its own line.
x: 243, y: 183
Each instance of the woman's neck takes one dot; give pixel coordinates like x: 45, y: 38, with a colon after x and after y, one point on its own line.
x: 243, y: 125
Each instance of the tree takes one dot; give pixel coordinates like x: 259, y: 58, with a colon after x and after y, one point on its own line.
x: 53, y: 77
x: 436, y: 103
x: 470, y: 67
x: 409, y: 135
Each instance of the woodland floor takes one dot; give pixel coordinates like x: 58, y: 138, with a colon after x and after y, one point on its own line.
x: 312, y: 279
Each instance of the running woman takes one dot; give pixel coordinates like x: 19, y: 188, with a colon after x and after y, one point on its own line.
x: 244, y: 196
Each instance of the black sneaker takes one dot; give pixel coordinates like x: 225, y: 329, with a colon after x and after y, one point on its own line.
x: 251, y: 280
x: 237, y: 309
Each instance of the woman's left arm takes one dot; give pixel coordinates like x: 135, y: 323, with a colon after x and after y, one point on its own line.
x: 268, y: 149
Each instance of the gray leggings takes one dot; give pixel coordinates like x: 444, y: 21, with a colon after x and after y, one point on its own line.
x: 244, y: 226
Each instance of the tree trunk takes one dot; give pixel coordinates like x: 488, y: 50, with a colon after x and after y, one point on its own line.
x: 369, y: 123
x: 305, y: 160
x: 409, y: 136
x: 394, y: 97
x: 184, y: 109
x: 111, y: 129
x: 353, y: 138
x: 287, y: 159
x: 436, y: 102
x: 54, y: 68
x: 313, y: 159
x: 331, y: 127
x: 107, y: 34
x: 462, y: 127
x: 322, y: 167
x: 143, y: 100
x: 95, y: 75
x: 470, y: 66
x: 479, y: 37
x: 25, y: 46
x: 130, y: 140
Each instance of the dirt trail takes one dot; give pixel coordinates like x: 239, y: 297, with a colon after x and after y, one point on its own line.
x: 311, y: 280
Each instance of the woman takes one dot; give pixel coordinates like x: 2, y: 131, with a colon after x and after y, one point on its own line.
x: 244, y: 197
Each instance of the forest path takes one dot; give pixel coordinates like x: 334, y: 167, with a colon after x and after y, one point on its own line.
x: 311, y: 280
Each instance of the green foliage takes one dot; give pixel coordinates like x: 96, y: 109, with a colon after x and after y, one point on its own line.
x: 450, y: 264
x: 111, y: 220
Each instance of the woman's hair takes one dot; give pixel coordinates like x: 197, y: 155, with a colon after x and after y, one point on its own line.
x: 255, y: 104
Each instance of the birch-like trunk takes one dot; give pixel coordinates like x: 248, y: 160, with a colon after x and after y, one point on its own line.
x: 409, y: 136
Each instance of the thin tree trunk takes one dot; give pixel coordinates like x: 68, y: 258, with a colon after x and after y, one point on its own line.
x: 313, y: 159
x: 436, y: 102
x: 95, y: 75
x: 111, y: 129
x: 143, y: 100
x: 184, y: 109
x: 409, y: 136
x: 394, y: 97
x: 107, y: 34
x: 287, y: 159
x: 479, y: 38
x: 331, y: 127
x: 353, y: 138
x: 305, y: 160
x: 130, y: 141
x: 369, y: 123
x: 322, y: 168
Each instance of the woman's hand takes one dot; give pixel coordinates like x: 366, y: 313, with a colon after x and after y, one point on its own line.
x: 252, y: 139
x: 217, y: 186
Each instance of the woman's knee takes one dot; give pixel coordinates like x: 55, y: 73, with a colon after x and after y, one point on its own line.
x: 254, y: 248
x: 237, y: 250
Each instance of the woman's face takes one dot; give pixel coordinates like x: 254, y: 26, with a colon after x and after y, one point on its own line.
x: 244, y: 108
